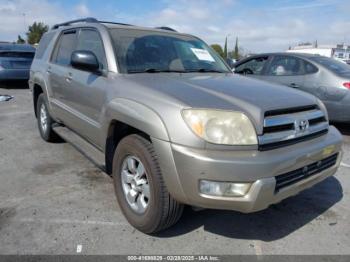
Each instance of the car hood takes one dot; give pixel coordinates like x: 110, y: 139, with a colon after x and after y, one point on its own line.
x: 223, y: 91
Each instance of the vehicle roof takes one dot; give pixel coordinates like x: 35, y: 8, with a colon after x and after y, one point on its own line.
x: 111, y: 25
x: 305, y: 55
x: 17, y: 47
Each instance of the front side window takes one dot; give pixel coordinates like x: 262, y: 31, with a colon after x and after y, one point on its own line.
x: 254, y: 66
x: 65, y: 48
x: 89, y: 40
x: 285, y: 66
x: 140, y: 51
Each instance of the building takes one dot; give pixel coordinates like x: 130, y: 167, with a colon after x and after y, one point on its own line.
x: 340, y: 52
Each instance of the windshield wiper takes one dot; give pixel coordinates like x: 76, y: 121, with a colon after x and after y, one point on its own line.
x: 154, y: 70
x: 204, y: 70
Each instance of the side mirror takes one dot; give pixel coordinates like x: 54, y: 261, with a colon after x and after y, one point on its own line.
x: 85, y: 60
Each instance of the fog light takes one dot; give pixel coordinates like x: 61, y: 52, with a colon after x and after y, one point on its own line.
x: 225, y: 189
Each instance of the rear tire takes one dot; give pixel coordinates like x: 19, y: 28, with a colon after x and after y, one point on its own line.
x: 45, y: 121
x: 141, y: 191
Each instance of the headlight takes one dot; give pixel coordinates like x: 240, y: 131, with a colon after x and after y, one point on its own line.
x: 221, y: 127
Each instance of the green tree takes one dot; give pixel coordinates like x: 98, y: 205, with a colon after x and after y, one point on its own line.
x: 20, y: 40
x: 218, y: 49
x: 35, y: 32
x: 225, y: 48
x: 236, y: 51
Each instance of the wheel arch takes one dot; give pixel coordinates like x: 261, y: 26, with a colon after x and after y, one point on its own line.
x: 124, y: 117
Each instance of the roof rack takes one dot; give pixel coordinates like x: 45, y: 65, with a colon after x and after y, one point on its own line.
x: 113, y: 23
x: 86, y: 20
x: 94, y: 20
x: 166, y: 28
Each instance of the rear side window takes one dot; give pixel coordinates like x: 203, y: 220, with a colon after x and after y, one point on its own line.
x: 254, y: 66
x: 43, y: 44
x: 65, y: 48
x: 89, y: 40
x: 309, y: 68
x: 333, y: 65
x: 285, y: 66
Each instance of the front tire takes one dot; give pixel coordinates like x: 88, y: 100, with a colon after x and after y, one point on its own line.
x: 45, y: 121
x: 139, y: 186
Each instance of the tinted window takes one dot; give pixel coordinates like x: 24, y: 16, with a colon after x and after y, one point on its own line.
x: 65, y: 48
x: 332, y: 64
x: 139, y: 51
x: 43, y: 44
x: 252, y: 67
x: 17, y: 54
x: 89, y: 40
x: 285, y: 66
x: 309, y: 68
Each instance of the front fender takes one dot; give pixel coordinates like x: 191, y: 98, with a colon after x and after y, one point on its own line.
x: 136, y: 115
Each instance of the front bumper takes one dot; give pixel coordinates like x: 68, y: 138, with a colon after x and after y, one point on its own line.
x: 183, y: 167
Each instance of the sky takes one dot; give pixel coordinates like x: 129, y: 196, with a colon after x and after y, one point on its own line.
x: 260, y: 25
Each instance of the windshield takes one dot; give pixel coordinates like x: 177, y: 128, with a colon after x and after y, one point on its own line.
x: 335, y: 66
x: 141, y: 51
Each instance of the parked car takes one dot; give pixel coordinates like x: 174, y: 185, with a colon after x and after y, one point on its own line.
x: 324, y: 77
x: 231, y: 62
x: 15, y: 61
x: 162, y: 114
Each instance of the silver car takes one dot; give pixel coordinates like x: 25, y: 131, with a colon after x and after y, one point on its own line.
x: 164, y: 116
x: 324, y: 77
x: 15, y: 61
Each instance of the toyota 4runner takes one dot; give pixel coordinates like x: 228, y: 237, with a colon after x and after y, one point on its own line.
x: 162, y: 114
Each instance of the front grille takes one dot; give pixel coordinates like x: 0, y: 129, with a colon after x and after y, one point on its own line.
x: 290, y: 142
x: 290, y: 110
x: 295, y: 176
x: 284, y: 127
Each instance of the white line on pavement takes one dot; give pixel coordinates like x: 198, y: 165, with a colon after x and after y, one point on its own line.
x: 345, y: 165
x: 257, y: 247
x: 16, y: 113
x: 68, y: 221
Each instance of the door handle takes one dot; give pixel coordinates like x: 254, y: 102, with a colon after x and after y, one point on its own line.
x: 294, y: 85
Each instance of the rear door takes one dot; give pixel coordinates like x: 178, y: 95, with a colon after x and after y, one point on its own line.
x: 286, y: 70
x: 58, y: 72
x: 312, y: 80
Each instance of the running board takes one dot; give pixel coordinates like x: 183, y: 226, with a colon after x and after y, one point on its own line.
x: 84, y: 147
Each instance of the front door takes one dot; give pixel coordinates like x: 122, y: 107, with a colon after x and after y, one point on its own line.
x: 86, y: 94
